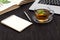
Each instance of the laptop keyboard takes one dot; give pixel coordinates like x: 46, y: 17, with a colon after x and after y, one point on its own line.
x: 50, y: 2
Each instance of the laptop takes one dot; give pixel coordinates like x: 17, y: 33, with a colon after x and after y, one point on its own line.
x: 52, y: 4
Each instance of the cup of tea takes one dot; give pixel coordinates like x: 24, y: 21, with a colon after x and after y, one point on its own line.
x: 43, y: 15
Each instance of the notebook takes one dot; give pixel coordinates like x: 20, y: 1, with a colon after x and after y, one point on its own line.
x: 15, y: 22
x: 11, y: 3
x: 9, y: 9
x: 52, y: 4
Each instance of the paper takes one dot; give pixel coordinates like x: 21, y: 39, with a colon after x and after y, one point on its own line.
x: 16, y: 23
x: 16, y: 1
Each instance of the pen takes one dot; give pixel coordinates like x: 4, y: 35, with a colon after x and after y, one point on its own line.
x: 27, y: 16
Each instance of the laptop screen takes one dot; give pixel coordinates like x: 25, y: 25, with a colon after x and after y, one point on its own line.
x: 50, y: 2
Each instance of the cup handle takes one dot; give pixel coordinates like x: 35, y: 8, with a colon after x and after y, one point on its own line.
x: 51, y: 12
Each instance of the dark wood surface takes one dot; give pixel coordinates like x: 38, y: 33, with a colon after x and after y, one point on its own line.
x: 49, y: 31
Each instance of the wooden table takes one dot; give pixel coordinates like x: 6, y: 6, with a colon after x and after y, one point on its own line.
x: 49, y: 31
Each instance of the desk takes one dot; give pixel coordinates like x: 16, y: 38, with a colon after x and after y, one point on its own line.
x: 50, y: 31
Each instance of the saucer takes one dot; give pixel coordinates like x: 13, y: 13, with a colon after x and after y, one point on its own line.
x: 36, y: 20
